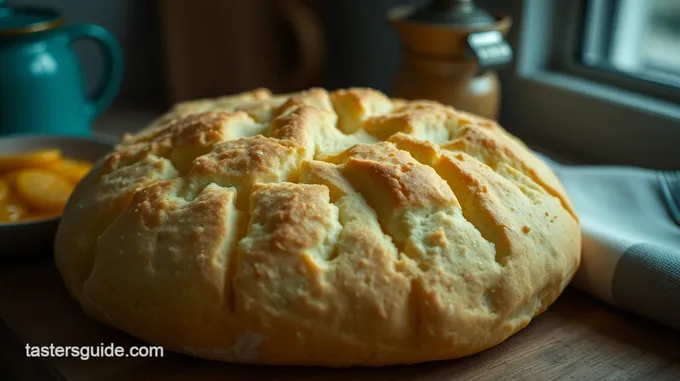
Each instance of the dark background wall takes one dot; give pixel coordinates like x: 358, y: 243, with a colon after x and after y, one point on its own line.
x: 135, y: 25
x: 362, y: 49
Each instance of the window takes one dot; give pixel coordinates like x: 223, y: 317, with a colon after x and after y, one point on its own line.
x: 636, y: 38
x: 597, y: 81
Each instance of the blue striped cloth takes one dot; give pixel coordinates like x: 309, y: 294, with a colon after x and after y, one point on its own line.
x: 630, y: 220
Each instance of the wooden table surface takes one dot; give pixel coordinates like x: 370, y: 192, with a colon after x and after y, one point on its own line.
x: 578, y: 338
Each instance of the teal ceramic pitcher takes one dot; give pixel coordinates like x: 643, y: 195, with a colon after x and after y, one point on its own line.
x: 41, y: 82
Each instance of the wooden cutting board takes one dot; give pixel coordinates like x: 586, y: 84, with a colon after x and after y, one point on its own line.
x: 578, y: 338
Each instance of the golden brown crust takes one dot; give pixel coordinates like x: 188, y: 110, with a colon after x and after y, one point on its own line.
x: 317, y: 228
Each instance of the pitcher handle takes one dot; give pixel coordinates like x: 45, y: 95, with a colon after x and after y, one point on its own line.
x: 109, y: 85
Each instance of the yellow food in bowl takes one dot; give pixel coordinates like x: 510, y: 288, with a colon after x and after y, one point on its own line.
x: 29, y: 159
x: 37, y: 185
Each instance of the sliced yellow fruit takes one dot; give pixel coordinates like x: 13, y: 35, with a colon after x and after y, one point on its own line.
x: 5, y: 191
x: 72, y: 170
x: 11, y: 212
x: 9, y: 162
x: 10, y: 177
x: 10, y: 208
x: 43, y: 190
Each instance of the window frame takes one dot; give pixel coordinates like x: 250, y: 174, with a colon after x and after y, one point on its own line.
x: 589, y: 115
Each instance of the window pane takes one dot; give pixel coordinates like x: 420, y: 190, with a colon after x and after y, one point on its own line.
x: 640, y: 38
x: 661, y: 41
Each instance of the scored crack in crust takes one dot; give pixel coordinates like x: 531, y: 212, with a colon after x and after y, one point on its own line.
x: 318, y: 228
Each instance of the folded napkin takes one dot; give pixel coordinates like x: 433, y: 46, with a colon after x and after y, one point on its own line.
x: 630, y: 220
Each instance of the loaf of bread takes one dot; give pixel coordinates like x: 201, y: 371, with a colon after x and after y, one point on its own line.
x: 319, y: 228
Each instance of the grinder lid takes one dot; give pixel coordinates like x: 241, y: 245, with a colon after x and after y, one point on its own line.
x: 454, y: 13
x: 480, y: 32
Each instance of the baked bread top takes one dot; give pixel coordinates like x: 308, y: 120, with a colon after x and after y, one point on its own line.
x: 317, y: 228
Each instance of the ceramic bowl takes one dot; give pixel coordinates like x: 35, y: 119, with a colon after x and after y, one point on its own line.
x: 35, y: 238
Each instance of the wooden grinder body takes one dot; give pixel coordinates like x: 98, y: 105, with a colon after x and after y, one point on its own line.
x: 435, y: 66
